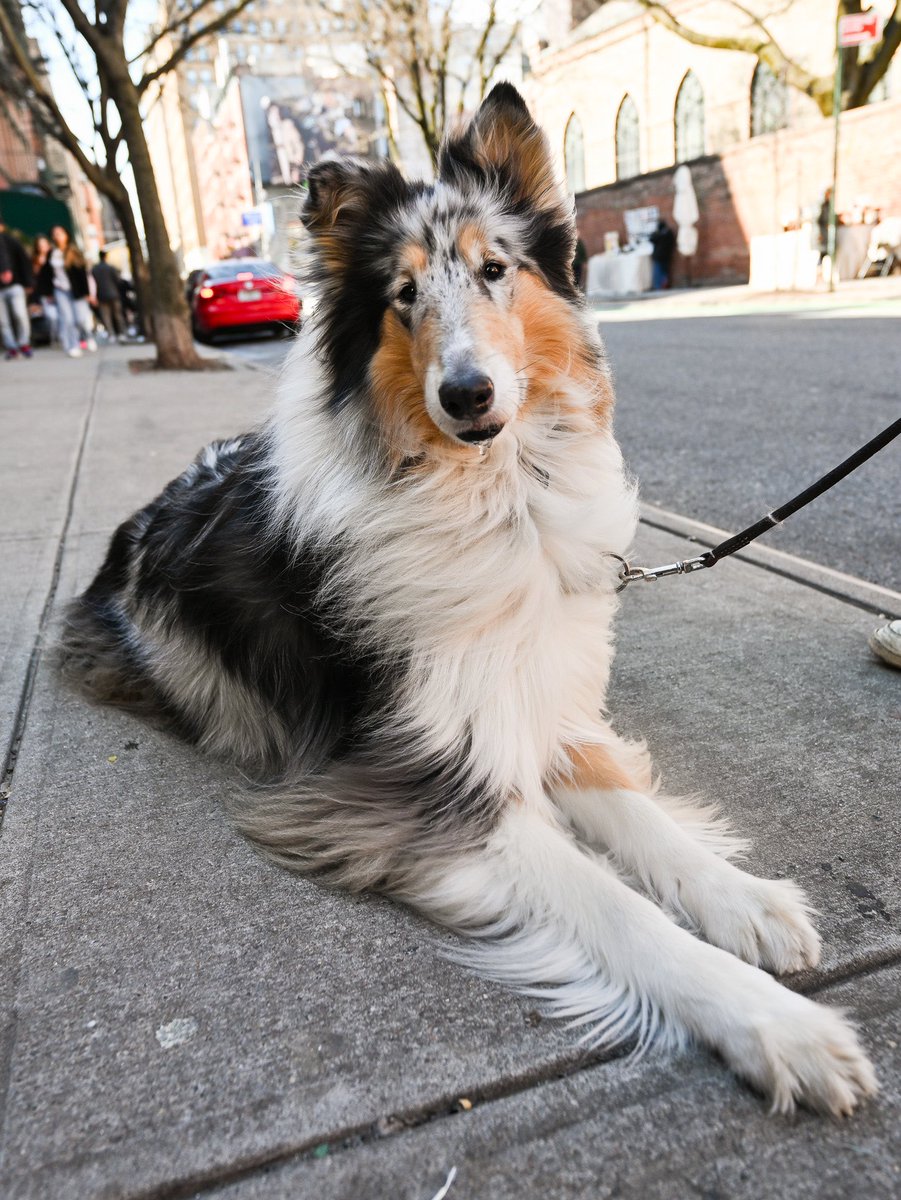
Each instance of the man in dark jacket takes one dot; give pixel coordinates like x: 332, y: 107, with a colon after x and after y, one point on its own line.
x: 15, y: 280
x: 108, y: 282
x: 663, y: 241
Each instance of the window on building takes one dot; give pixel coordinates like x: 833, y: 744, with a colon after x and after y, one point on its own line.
x: 689, y: 119
x: 574, y: 154
x: 769, y: 101
x: 628, y: 158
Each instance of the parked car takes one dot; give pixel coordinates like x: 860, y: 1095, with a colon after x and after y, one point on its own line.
x: 243, y: 294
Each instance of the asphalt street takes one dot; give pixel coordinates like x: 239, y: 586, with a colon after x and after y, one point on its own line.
x: 724, y: 418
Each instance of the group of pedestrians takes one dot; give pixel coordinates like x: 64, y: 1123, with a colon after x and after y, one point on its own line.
x: 57, y: 277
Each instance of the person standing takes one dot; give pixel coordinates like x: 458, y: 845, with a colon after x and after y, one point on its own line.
x: 663, y: 244
x: 109, y: 282
x: 66, y: 271
x: 43, y: 285
x: 15, y: 280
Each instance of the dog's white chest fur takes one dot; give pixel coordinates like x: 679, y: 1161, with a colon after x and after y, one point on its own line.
x: 515, y: 660
x: 490, y: 578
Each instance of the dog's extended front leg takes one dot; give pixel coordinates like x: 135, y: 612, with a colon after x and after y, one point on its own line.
x: 763, y: 921
x: 547, y: 912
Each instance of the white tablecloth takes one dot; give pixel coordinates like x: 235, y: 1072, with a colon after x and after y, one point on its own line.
x: 784, y: 262
x: 621, y: 274
x: 851, y: 249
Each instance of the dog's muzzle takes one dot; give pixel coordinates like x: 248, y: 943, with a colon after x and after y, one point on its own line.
x: 469, y: 398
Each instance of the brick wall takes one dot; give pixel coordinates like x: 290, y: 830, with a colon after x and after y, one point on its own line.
x: 756, y: 187
x: 19, y: 146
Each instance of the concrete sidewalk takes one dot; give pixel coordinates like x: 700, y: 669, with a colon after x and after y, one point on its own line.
x: 875, y: 297
x: 179, y: 1018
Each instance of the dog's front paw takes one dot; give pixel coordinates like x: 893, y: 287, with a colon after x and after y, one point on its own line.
x: 763, y: 921
x: 800, y: 1052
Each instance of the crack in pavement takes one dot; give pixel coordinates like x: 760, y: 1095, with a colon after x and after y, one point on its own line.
x: 20, y: 722
x: 397, y: 1124
x: 27, y: 690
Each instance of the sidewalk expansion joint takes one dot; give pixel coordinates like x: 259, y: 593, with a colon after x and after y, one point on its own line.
x: 450, y: 1106
x: 7, y: 770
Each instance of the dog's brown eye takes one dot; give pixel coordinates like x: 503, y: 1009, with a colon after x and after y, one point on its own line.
x: 407, y: 293
x: 493, y: 270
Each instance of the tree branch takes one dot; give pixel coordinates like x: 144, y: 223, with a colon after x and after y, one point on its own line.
x: 871, y: 72
x: 762, y: 46
x: 189, y: 40
x: 54, y: 122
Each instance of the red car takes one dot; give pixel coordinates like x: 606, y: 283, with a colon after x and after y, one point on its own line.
x: 241, y: 294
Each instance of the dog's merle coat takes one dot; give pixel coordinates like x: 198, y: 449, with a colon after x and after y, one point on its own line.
x: 398, y: 612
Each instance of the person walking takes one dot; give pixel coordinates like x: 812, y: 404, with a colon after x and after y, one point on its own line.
x: 663, y: 244
x: 43, y: 285
x: 65, y: 269
x: 109, y: 282
x: 15, y: 279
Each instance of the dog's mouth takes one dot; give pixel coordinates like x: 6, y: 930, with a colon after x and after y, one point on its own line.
x: 481, y: 433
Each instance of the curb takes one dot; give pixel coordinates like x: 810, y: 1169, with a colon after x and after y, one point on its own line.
x: 881, y: 601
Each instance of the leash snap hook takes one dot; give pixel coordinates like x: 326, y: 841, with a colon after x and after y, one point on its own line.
x: 629, y: 574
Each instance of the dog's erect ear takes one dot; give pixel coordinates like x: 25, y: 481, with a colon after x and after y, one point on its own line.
x: 341, y: 193
x: 502, y: 140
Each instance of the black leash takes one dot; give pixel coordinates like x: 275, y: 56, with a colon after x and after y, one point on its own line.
x: 738, y: 541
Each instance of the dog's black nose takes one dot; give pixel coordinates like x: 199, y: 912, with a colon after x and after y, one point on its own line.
x: 467, y: 395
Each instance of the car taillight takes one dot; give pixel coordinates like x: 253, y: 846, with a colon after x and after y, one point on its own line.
x: 288, y: 285
x: 206, y: 292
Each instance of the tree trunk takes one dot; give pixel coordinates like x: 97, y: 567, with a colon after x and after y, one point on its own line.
x: 139, y: 274
x: 175, y: 348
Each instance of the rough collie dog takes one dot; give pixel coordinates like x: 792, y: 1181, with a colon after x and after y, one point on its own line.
x: 395, y: 600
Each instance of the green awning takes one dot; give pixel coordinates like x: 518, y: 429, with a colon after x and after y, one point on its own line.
x: 28, y: 213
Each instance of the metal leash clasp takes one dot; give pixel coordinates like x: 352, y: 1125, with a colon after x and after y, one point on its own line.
x: 629, y: 574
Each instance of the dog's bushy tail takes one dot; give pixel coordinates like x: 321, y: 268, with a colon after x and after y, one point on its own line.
x: 93, y: 655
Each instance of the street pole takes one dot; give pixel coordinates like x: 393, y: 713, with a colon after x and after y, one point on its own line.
x: 832, y: 243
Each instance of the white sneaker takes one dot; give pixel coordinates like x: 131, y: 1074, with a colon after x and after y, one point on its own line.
x: 886, y: 643
x: 91, y: 345
x: 74, y: 352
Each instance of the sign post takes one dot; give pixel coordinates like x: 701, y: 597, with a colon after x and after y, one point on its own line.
x: 832, y: 240
x: 852, y: 29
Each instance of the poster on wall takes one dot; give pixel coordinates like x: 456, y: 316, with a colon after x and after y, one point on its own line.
x: 291, y: 121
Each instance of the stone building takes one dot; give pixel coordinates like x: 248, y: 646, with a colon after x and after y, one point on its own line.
x: 625, y: 101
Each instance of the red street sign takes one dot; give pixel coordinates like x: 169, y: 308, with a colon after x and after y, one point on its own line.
x: 859, y: 29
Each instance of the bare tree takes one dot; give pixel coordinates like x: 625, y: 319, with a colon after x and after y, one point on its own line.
x: 24, y: 79
x: 428, y: 60
x: 115, y: 82
x: 863, y: 66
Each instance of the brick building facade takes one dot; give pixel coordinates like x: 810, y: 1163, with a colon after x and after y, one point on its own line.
x: 756, y: 169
